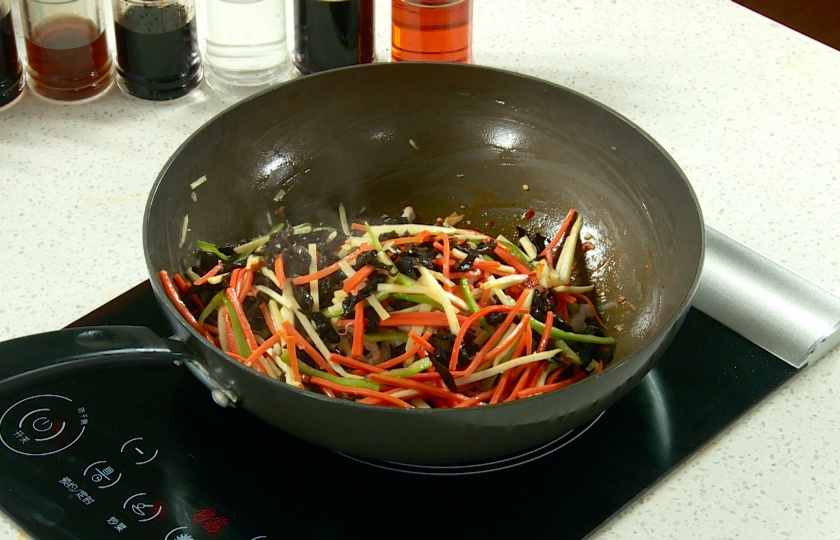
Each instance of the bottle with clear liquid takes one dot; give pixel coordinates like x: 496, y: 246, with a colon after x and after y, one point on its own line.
x: 246, y: 47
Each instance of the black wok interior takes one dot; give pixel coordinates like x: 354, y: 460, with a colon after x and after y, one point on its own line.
x: 443, y: 138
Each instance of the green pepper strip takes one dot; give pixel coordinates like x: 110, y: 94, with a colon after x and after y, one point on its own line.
x: 386, y: 336
x: 214, y: 303
x: 238, y: 334
x: 417, y: 299
x: 518, y: 253
x: 210, y: 248
x: 465, y: 288
x: 306, y: 369
x: 568, y: 353
x: 556, y: 333
x: 413, y: 369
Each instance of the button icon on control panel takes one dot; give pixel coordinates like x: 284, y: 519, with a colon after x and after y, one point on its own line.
x: 42, y: 425
x: 138, y: 450
x: 143, y: 507
x: 100, y: 473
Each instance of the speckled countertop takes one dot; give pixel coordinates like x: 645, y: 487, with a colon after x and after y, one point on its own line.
x: 748, y: 108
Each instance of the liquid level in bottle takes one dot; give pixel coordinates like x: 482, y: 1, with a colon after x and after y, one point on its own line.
x: 246, y: 40
x: 11, y: 72
x: 431, y: 30
x: 157, y: 51
x: 330, y: 34
x: 68, y: 59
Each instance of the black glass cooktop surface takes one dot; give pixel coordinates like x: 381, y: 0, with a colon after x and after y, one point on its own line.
x: 143, y: 453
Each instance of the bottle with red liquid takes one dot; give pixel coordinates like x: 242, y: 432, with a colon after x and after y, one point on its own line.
x: 431, y: 30
x: 11, y: 72
x: 332, y: 33
x: 66, y: 48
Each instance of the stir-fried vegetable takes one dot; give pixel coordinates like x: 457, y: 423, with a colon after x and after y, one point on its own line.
x: 400, y: 314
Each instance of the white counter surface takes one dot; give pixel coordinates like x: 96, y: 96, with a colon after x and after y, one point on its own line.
x: 749, y: 109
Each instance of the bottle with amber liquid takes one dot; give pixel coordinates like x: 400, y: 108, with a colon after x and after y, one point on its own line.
x: 66, y: 48
x: 11, y: 72
x: 431, y: 30
x: 332, y: 33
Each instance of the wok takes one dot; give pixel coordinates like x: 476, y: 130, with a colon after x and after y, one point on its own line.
x: 483, y: 142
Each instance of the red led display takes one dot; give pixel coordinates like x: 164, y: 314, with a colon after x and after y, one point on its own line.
x: 210, y: 520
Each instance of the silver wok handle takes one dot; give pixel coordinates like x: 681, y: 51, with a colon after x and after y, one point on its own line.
x: 775, y: 308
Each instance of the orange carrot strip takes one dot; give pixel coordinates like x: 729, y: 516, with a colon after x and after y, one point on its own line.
x: 547, y: 252
x: 246, y: 279
x: 306, y: 346
x: 471, y: 320
x: 279, y: 270
x: 554, y: 376
x: 352, y: 390
x: 509, y: 340
x: 549, y: 387
x: 210, y: 273
x: 387, y: 364
x: 502, y: 252
x: 434, y: 319
x: 293, y: 357
x: 415, y: 385
x: 446, y: 254
x: 267, y: 344
x: 357, y: 278
x: 549, y: 324
x: 422, y: 342
x: 358, y: 348
x: 175, y: 297
x: 500, y: 387
x: 479, y: 358
x: 243, y: 320
x: 353, y: 363
x: 267, y: 317
x: 227, y: 328
x: 327, y: 270
x: 477, y: 399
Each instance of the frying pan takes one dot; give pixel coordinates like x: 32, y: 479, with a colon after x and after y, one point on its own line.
x: 481, y: 142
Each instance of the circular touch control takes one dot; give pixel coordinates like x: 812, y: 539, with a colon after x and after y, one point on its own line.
x: 42, y: 425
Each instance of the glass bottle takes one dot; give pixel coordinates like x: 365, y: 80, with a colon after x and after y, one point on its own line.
x: 431, y: 30
x: 157, y: 48
x: 66, y: 48
x: 246, y: 48
x: 332, y: 33
x: 11, y: 72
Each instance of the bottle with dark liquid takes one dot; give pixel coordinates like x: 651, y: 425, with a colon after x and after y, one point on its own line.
x: 66, y: 48
x: 11, y: 72
x: 157, y: 48
x: 332, y: 33
x: 431, y: 30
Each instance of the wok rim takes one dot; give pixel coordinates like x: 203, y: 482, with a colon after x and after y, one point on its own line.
x: 658, y: 338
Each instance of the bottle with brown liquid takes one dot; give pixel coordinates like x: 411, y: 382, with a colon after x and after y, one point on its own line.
x: 66, y: 48
x: 332, y: 33
x: 431, y: 30
x: 11, y: 72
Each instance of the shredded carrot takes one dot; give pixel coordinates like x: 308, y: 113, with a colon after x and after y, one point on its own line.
x: 279, y: 270
x: 243, y: 320
x: 549, y: 249
x: 477, y: 399
x: 267, y: 344
x: 353, y: 390
x: 470, y: 321
x: 308, y: 348
x: 549, y: 324
x: 353, y: 363
x: 422, y: 342
x: 549, y: 387
x: 210, y: 273
x: 267, y: 317
x: 503, y: 253
x: 327, y: 270
x: 175, y: 297
x: 356, y: 279
x: 415, y: 385
x: 293, y: 357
